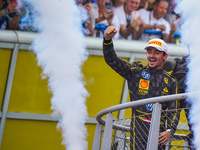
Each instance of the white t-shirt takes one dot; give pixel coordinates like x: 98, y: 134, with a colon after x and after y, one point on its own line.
x: 148, y: 18
x: 122, y: 17
x: 115, y: 22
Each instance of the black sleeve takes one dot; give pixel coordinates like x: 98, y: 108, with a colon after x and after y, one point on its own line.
x: 120, y: 66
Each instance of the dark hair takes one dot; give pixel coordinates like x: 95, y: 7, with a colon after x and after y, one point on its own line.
x: 158, y: 1
x: 164, y: 53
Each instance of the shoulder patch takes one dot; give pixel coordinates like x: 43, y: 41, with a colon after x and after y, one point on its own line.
x: 145, y: 75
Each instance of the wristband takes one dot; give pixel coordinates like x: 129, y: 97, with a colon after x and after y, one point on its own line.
x: 170, y: 131
x: 107, y: 41
x: 8, y: 17
x: 4, y: 13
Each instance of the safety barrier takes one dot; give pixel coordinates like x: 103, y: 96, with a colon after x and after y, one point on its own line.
x: 117, y: 132
x: 102, y: 28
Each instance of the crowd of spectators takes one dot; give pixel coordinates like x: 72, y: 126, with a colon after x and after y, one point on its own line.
x: 134, y: 19
x: 9, y: 14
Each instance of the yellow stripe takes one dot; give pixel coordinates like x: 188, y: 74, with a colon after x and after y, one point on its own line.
x: 176, y: 108
x: 134, y: 67
x: 170, y: 72
x: 166, y: 73
x: 143, y: 112
x: 108, y: 43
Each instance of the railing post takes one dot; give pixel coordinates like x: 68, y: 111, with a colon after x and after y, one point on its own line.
x: 122, y: 141
x: 152, y: 143
x: 8, y: 90
x: 185, y: 144
x: 106, y: 144
x: 97, y: 137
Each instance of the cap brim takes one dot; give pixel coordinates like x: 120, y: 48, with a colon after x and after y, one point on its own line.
x: 158, y: 48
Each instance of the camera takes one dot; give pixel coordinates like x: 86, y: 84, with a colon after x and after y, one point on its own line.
x: 85, y: 2
x: 108, y: 5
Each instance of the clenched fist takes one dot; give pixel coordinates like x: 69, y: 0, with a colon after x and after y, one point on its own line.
x: 110, y: 32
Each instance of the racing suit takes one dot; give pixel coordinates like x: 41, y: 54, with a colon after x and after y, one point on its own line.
x: 144, y: 82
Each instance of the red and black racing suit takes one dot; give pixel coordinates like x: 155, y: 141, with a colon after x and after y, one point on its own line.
x: 144, y: 82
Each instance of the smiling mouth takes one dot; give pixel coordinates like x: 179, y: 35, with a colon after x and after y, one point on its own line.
x: 152, y: 60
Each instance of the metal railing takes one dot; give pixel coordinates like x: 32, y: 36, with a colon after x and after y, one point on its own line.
x: 114, y: 129
x: 102, y: 28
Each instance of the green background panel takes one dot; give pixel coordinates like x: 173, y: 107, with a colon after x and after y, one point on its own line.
x: 5, y: 60
x: 29, y: 92
x: 37, y: 135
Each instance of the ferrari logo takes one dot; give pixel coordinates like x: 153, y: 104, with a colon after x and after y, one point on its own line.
x: 166, y: 80
x: 165, y: 90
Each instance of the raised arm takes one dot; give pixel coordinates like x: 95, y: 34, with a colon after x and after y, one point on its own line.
x: 109, y: 32
x: 120, y: 66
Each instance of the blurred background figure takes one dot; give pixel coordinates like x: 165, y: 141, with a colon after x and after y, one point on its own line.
x: 117, y: 3
x: 143, y: 4
x: 150, y: 4
x: 9, y: 14
x: 86, y: 16
x: 129, y: 19
x: 146, y: 4
x: 174, y: 19
x: 154, y: 20
x: 104, y: 17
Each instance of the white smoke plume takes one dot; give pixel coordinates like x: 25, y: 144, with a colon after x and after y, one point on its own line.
x: 190, y: 12
x: 60, y: 52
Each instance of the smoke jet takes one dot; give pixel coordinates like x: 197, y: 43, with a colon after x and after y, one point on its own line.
x: 61, y: 52
x: 190, y: 12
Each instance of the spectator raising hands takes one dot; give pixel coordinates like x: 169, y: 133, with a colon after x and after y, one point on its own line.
x: 154, y: 20
x: 118, y: 3
x: 89, y: 24
x: 130, y: 20
x: 9, y: 14
x: 104, y: 16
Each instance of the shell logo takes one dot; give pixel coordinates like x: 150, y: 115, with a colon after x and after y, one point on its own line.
x: 144, y: 84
